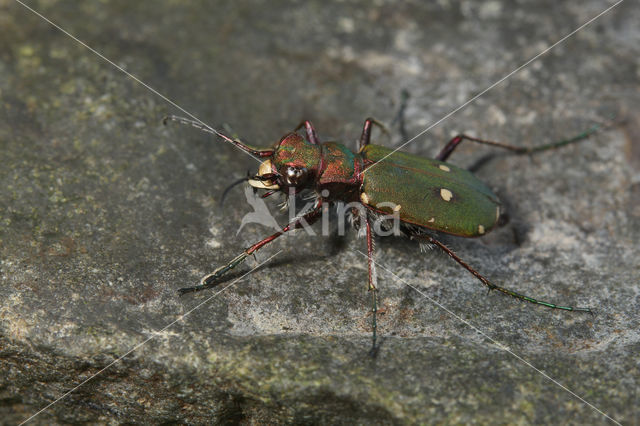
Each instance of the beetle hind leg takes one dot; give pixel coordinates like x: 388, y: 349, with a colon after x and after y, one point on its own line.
x: 457, y: 140
x: 492, y: 286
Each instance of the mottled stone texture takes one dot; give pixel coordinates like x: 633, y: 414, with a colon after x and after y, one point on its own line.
x: 104, y: 213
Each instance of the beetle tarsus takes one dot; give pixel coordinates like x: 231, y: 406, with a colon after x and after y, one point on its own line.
x: 206, y: 282
x: 209, y: 281
x: 373, y: 352
x: 184, y: 290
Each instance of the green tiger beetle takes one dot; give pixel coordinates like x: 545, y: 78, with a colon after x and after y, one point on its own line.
x: 427, y: 194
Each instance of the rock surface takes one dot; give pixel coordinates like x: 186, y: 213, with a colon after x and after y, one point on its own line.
x: 105, y: 213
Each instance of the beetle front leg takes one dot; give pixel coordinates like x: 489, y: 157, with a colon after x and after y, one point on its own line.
x: 493, y: 286
x: 209, y: 281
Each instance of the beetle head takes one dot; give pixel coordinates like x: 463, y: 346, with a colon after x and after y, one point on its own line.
x: 294, y: 164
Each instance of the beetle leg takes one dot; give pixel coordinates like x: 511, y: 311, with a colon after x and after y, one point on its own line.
x: 312, y: 136
x: 453, y: 143
x: 457, y: 140
x: 493, y: 286
x: 365, y: 138
x: 373, y: 280
x: 209, y: 281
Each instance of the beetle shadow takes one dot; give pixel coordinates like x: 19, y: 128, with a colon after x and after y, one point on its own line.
x: 485, y: 159
x: 519, y: 230
x: 338, y: 243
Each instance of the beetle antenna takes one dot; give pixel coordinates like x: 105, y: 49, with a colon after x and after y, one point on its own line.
x: 205, y: 128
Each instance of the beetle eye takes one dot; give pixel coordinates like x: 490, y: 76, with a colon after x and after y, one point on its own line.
x: 295, y: 176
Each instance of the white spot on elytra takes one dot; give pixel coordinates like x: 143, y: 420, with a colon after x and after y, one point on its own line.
x: 445, y: 168
x: 433, y: 219
x: 446, y: 194
x: 397, y: 208
x: 480, y: 229
x: 364, y: 198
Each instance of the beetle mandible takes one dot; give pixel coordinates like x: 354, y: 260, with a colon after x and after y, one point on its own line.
x: 428, y: 194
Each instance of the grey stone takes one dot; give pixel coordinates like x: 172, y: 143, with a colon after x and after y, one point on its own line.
x: 105, y: 213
